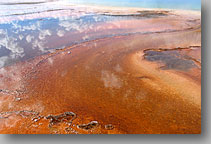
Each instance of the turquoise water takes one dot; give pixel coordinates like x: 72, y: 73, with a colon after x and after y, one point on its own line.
x: 169, y: 4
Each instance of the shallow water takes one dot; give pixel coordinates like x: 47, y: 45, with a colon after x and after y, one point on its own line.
x: 22, y: 39
x: 31, y: 29
x: 169, y: 4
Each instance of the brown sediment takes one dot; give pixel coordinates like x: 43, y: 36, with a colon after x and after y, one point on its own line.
x: 174, y: 58
x: 109, y: 85
x: 68, y: 117
x: 88, y: 126
x: 143, y: 14
x: 186, y: 61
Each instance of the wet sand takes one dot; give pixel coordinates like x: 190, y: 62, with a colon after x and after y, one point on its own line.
x: 110, y: 85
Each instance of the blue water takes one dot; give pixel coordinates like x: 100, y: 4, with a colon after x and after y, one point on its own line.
x: 168, y: 4
x: 25, y: 38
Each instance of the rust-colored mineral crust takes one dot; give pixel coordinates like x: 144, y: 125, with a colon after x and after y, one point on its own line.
x: 129, y: 84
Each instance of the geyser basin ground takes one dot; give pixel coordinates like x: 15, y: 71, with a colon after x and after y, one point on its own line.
x: 101, y: 71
